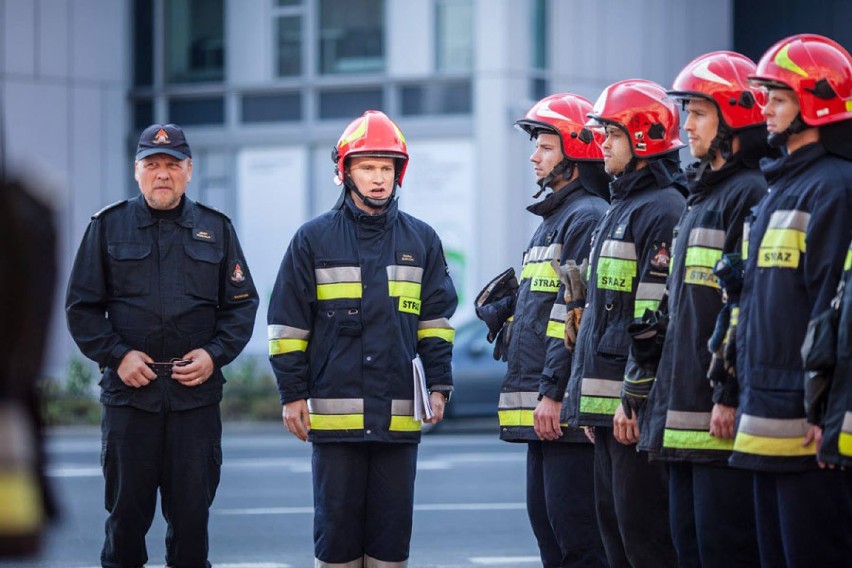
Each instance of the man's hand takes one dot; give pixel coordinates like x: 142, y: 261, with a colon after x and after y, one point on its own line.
x: 546, y: 419
x: 437, y: 402
x: 814, y: 435
x: 624, y: 429
x: 722, y: 421
x: 197, y: 371
x: 297, y: 419
x: 134, y: 370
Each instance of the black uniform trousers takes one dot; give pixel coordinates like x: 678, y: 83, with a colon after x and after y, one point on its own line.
x: 632, y: 500
x: 712, y: 516
x: 804, y: 519
x: 561, y: 504
x: 177, y: 452
x: 363, y: 500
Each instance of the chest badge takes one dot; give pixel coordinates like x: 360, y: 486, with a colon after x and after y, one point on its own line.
x: 204, y: 235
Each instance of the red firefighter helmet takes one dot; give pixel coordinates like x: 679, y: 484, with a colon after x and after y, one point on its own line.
x: 721, y: 77
x: 564, y: 114
x: 817, y: 69
x: 372, y: 134
x: 644, y: 112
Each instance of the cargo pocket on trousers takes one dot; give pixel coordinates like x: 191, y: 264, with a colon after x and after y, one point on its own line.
x: 215, y: 472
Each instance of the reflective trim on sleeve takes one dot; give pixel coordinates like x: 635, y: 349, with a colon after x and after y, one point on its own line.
x: 599, y: 396
x: 284, y: 339
x: 402, y: 416
x: 648, y: 296
x: 848, y: 264
x: 339, y: 282
x: 844, y: 444
x: 516, y: 408
x: 691, y: 430
x: 556, y: 323
x: 772, y: 437
x: 746, y: 231
x: 439, y: 328
x: 703, y: 251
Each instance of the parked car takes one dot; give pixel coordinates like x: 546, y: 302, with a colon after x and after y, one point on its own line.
x: 477, y: 377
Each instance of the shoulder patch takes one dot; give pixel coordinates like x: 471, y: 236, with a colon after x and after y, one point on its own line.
x: 213, y: 209
x: 109, y: 207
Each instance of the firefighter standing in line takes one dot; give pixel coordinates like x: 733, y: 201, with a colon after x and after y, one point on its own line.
x: 362, y: 290
x: 631, y: 249
x: 796, y: 249
x: 686, y: 422
x: 560, y: 460
x: 156, y: 278
x: 836, y: 448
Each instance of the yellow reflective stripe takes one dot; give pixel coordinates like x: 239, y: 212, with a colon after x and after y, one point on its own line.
x: 695, y: 440
x: 640, y: 306
x: 700, y: 276
x: 447, y: 335
x: 555, y: 329
x: 409, y: 305
x: 402, y: 288
x: 848, y: 264
x: 281, y: 346
x: 343, y: 290
x: 337, y: 421
x: 359, y: 132
x: 782, y: 59
x: 763, y: 446
x: 404, y: 424
x: 744, y: 250
x: 616, y: 274
x: 517, y: 417
x: 702, y: 256
x: 844, y: 444
x: 784, y: 239
x: 599, y: 405
x: 22, y: 505
x: 543, y: 277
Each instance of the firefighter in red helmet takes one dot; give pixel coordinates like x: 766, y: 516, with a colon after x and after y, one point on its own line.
x: 630, y: 256
x: 362, y: 299
x: 688, y: 422
x: 548, y: 304
x: 796, y: 246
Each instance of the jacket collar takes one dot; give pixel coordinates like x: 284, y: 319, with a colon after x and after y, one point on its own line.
x: 145, y: 219
x: 791, y: 164
x: 711, y: 179
x: 555, y: 199
x: 366, y: 222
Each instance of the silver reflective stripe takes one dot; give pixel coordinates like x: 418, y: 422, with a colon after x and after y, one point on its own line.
x: 405, y: 273
x: 357, y: 563
x: 440, y: 323
x: 338, y: 274
x: 847, y: 422
x: 619, y: 249
x: 370, y: 562
x: 746, y: 230
x: 773, y: 427
x: 287, y: 332
x: 518, y: 400
x: 711, y: 238
x: 402, y: 407
x: 336, y: 405
x: 537, y: 254
x: 559, y: 312
x: 649, y: 291
x: 789, y: 219
x: 601, y: 387
x: 682, y: 420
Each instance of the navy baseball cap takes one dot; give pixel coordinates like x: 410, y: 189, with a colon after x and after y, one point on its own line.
x: 163, y: 139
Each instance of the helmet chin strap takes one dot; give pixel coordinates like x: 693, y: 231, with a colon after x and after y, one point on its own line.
x: 721, y: 145
x: 565, y: 168
x: 778, y: 139
x: 371, y: 202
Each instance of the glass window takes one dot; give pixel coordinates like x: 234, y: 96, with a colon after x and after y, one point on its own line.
x: 201, y: 110
x: 195, y: 40
x: 437, y: 98
x: 143, y: 43
x: 288, y: 2
x: 289, y: 46
x: 454, y: 31
x: 538, y: 88
x: 539, y: 34
x: 272, y: 108
x: 143, y: 113
x: 351, y: 36
x: 349, y: 103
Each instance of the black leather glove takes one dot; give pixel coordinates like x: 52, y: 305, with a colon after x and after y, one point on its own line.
x: 495, y: 303
x: 819, y: 353
x: 501, y: 343
x: 647, y: 338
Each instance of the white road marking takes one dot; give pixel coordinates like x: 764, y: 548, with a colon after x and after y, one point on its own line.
x: 420, y: 507
x: 502, y: 560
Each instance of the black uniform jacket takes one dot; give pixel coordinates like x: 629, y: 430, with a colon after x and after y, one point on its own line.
x: 164, y: 288
x: 676, y: 421
x: 631, y: 250
x: 797, y: 245
x: 538, y: 361
x: 357, y: 297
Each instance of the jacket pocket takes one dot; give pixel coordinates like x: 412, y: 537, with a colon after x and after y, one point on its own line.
x: 201, y: 276
x: 130, y: 268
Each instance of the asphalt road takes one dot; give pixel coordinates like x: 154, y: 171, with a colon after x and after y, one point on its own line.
x: 469, y: 502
